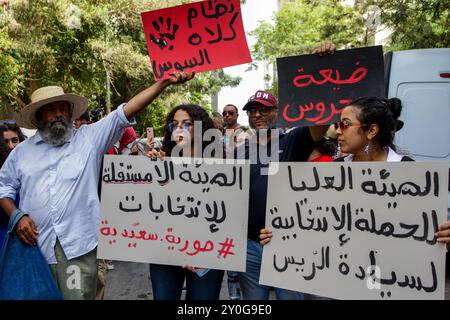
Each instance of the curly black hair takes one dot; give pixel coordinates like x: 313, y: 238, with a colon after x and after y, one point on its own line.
x: 384, y: 113
x: 4, y: 152
x: 196, y: 113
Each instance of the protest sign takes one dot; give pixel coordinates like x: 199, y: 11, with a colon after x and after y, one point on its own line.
x: 357, y: 231
x: 313, y: 89
x: 176, y: 212
x: 200, y: 36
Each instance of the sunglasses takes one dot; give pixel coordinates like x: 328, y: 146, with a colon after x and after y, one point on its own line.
x: 226, y: 113
x: 346, y: 124
x: 263, y: 111
x: 184, y: 126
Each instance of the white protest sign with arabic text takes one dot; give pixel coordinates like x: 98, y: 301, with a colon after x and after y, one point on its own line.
x: 357, y: 231
x: 176, y: 212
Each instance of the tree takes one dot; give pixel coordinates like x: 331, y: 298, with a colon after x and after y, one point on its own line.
x: 415, y: 24
x: 94, y: 48
x: 301, y: 25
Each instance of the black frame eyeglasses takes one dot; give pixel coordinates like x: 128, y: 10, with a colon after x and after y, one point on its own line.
x: 264, y: 111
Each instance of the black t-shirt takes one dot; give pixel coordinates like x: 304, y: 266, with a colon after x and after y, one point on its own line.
x: 296, y: 145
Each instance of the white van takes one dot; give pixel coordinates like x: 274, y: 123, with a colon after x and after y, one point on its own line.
x: 421, y: 80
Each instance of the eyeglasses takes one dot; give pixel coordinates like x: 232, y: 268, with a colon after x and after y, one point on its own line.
x: 264, y: 111
x: 226, y: 113
x: 184, y: 126
x: 346, y: 124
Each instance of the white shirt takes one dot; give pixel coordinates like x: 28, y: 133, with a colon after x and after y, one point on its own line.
x: 392, y: 156
x: 58, y: 185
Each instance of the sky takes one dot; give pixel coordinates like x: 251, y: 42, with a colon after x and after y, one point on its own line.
x: 252, y: 12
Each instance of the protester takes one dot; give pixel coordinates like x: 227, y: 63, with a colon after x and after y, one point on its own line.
x: 167, y: 281
x: 56, y: 174
x: 235, y: 134
x: 82, y: 120
x: 296, y: 145
x: 4, y: 218
x: 324, y: 151
x: 367, y: 129
x: 126, y: 142
x: 366, y: 133
x: 230, y: 115
x: 11, y: 134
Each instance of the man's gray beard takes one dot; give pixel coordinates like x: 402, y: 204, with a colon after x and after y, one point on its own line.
x: 56, y: 135
x: 266, y: 131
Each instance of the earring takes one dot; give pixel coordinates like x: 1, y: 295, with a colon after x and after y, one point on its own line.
x: 366, y: 149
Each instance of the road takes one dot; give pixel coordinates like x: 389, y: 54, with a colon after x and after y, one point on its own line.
x: 131, y: 281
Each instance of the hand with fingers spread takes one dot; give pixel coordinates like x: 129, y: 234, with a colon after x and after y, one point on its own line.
x: 26, y: 230
x: 443, y: 235
x: 265, y: 235
x: 325, y: 49
x: 156, y: 154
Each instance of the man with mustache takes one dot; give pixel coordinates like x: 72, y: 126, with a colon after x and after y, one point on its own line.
x: 269, y: 144
x: 56, y: 174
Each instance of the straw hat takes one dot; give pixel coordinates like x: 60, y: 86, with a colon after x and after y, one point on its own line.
x: 46, y: 95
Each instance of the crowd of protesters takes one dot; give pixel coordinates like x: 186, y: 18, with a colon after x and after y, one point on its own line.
x: 52, y: 177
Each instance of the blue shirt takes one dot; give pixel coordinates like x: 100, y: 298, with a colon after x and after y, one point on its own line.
x: 58, y: 184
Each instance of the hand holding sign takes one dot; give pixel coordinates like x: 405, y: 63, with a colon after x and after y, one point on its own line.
x: 325, y: 49
x: 179, y: 77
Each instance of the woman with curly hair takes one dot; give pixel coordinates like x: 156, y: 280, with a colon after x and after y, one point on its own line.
x: 167, y: 281
x: 11, y: 134
x: 179, y: 130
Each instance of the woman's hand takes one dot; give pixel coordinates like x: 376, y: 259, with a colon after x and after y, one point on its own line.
x: 156, y: 154
x: 265, y: 235
x: 443, y: 235
x: 178, y: 77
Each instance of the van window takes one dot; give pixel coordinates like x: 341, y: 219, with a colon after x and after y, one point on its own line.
x: 426, y: 113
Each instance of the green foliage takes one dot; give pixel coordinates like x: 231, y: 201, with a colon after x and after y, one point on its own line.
x: 77, y: 43
x: 302, y: 25
x: 415, y: 24
x: 10, y: 68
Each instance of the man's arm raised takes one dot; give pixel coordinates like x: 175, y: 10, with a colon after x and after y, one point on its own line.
x: 144, y: 98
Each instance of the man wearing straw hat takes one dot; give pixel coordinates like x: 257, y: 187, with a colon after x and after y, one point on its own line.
x: 56, y: 173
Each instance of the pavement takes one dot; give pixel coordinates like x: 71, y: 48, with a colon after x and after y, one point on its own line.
x: 131, y: 281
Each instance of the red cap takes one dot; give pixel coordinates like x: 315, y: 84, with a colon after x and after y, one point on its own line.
x: 261, y: 98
